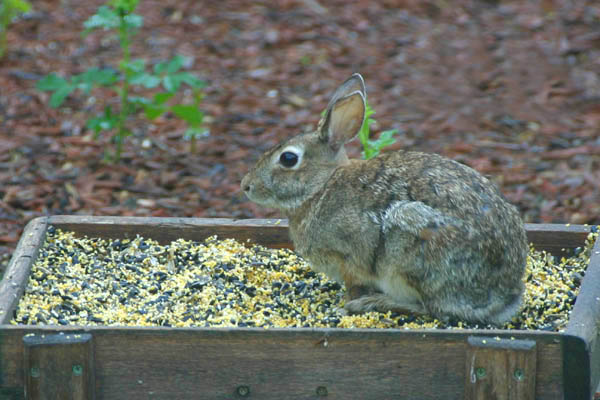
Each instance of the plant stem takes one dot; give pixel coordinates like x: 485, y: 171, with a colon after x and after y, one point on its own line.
x: 125, y: 40
x: 197, y: 95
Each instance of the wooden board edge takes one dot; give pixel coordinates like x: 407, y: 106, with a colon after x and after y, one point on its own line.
x: 16, y: 275
x: 108, y: 338
x: 268, y: 222
x: 323, y: 332
x: 165, y: 221
x: 587, y: 305
x: 268, y: 232
x: 585, y: 317
x: 273, y: 232
x: 557, y: 239
x: 576, y: 368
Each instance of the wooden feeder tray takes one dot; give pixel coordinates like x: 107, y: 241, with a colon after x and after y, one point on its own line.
x: 75, y: 362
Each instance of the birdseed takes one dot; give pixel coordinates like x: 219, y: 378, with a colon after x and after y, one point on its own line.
x: 222, y: 283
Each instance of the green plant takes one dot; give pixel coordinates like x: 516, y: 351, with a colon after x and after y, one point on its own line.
x: 165, y: 76
x: 9, y: 9
x: 372, y: 147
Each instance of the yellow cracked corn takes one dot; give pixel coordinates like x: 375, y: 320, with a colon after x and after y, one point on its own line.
x: 222, y: 283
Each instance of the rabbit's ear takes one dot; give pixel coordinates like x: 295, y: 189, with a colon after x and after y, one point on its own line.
x: 351, y: 85
x: 343, y: 120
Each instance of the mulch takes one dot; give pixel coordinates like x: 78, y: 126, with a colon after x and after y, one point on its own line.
x: 510, y: 88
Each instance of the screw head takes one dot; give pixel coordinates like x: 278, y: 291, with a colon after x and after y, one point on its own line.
x: 480, y: 373
x: 519, y: 374
x: 34, y: 372
x: 322, y: 391
x: 77, y: 370
x: 243, y: 391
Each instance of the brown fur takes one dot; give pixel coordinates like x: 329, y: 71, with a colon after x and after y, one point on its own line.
x: 404, y: 231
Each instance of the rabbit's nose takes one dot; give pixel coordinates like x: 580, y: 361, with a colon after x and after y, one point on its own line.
x: 246, y: 185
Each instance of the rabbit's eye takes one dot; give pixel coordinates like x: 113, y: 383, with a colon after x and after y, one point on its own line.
x: 288, y: 159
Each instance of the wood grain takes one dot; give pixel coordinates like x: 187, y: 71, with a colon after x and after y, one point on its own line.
x: 141, y: 363
x: 59, y: 366
x: 15, y: 278
x: 556, y: 239
x: 137, y: 362
x: 268, y: 232
x: 500, y: 369
x: 585, y: 317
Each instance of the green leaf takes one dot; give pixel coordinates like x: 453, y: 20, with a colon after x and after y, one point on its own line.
x: 189, y: 114
x: 139, y: 100
x: 162, y: 98
x: 175, y: 64
x: 51, y: 82
x: 375, y: 146
x: 10, y: 9
x: 161, y: 67
x: 128, y: 6
x: 386, y: 136
x: 101, y: 77
x: 134, y: 66
x: 104, y: 122
x: 59, y: 96
x: 170, y: 66
x: 133, y: 21
x: 95, y: 77
x: 105, y: 18
x: 170, y: 84
x: 192, y: 80
x: 147, y: 80
x: 153, y: 111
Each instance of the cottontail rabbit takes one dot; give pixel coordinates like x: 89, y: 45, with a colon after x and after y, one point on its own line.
x: 405, y: 231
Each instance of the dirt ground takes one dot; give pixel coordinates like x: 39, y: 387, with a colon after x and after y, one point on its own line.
x: 511, y: 88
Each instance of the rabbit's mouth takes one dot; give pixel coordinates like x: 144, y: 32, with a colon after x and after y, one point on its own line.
x: 265, y: 197
x: 254, y: 195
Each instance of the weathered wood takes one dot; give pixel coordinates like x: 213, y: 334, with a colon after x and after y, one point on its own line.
x: 59, y: 366
x: 178, y: 363
x: 500, y: 369
x: 214, y: 363
x: 16, y: 276
x: 585, y: 316
x: 268, y: 232
x: 556, y: 239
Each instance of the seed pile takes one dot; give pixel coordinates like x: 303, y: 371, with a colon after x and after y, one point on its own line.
x: 222, y: 283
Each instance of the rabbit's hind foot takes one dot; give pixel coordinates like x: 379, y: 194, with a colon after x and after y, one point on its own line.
x: 382, y: 303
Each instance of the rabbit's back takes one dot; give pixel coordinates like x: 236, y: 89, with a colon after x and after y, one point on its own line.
x: 423, y: 225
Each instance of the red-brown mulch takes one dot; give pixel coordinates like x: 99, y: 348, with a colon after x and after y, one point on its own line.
x: 511, y: 88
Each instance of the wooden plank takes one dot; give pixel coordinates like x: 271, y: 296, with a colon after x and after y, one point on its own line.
x: 555, y: 352
x: 556, y: 238
x: 59, y: 366
x: 268, y: 232
x: 500, y: 369
x: 585, y: 316
x: 16, y: 276
x: 141, y: 363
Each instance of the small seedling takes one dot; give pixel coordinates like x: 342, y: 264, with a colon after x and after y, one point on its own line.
x: 166, y: 77
x: 9, y: 10
x: 371, y: 148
